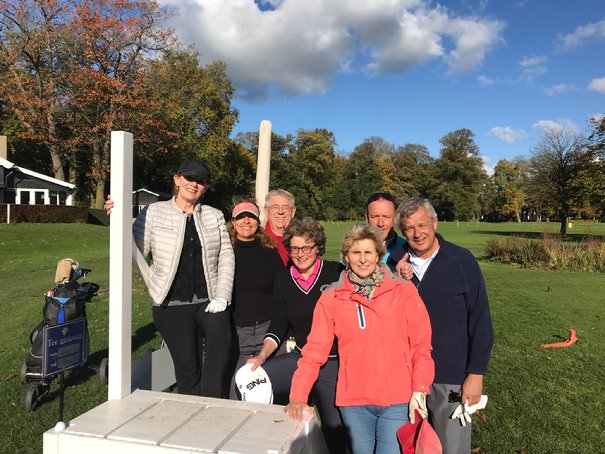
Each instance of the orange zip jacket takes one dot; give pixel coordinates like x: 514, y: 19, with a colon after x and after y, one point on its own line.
x: 384, y: 345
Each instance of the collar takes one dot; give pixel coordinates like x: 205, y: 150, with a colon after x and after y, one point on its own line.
x: 299, y: 277
x: 247, y: 244
x: 390, y: 239
x: 271, y: 232
x: 346, y: 289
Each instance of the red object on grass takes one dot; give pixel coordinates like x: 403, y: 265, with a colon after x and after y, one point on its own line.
x: 566, y: 343
x: 418, y: 438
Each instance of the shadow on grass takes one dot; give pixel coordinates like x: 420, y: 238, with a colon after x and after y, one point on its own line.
x: 571, y: 237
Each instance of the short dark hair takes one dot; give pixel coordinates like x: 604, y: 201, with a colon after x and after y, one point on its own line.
x: 306, y: 228
x: 381, y: 196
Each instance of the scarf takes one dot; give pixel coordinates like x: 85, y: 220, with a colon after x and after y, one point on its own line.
x: 365, y: 287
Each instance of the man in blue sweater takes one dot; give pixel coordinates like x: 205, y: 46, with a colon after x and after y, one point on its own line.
x: 380, y: 212
x: 451, y: 285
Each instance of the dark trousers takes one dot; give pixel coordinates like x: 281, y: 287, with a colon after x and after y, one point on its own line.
x: 247, y: 342
x: 183, y: 328
x: 280, y: 370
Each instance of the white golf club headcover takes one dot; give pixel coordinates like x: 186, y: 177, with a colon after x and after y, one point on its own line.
x: 254, y: 386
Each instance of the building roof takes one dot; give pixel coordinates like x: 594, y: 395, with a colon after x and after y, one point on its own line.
x: 10, y: 166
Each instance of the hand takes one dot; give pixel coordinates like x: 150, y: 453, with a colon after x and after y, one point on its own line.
x: 461, y: 412
x: 256, y: 361
x: 471, y: 389
x: 464, y: 411
x: 405, y: 268
x: 417, y: 403
x: 108, y: 205
x: 295, y: 410
x: 216, y: 305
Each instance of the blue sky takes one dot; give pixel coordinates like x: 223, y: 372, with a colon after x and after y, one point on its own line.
x: 409, y: 71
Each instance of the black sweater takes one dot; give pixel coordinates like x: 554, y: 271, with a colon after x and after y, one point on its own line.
x: 294, y: 307
x: 455, y: 296
x: 256, y: 268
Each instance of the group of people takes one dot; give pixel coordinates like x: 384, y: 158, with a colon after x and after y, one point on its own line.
x: 400, y: 326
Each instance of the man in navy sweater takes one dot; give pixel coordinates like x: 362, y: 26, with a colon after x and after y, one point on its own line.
x: 451, y: 285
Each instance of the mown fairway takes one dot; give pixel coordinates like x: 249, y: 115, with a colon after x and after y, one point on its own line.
x: 540, y: 401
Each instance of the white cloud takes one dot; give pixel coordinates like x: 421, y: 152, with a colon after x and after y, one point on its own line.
x: 582, y: 34
x: 487, y: 165
x: 532, y: 67
x: 485, y: 81
x: 597, y: 85
x: 532, y: 61
x: 297, y: 46
x: 559, y: 88
x: 507, y: 134
x: 562, y: 123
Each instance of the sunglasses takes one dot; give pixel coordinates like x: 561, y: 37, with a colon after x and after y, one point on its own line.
x: 199, y: 180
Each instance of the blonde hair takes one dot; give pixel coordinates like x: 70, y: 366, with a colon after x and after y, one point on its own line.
x: 362, y: 231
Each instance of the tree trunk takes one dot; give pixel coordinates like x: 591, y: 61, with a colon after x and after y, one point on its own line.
x: 563, y: 229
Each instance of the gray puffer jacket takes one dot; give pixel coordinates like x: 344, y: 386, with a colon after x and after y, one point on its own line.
x: 158, y: 234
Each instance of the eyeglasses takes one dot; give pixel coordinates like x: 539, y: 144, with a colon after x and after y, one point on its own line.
x: 280, y: 208
x: 305, y: 249
x: 199, y: 180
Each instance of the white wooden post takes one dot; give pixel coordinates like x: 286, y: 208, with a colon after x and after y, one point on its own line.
x: 120, y: 267
x: 263, y: 165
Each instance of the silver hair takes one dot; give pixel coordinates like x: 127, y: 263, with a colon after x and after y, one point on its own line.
x: 279, y: 192
x: 409, y: 206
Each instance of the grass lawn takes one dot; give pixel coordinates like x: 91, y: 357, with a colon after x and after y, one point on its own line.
x: 540, y: 400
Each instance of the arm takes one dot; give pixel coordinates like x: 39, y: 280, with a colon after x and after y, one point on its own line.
x: 314, y: 355
x: 269, y: 346
x: 480, y: 333
x: 226, y: 263
x: 419, y: 338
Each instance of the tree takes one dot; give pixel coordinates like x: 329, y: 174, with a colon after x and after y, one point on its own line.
x: 312, y: 169
x: 75, y: 73
x: 460, y: 176
x: 361, y: 178
x: 194, y: 107
x: 560, y: 171
x: 415, y: 168
x: 509, y: 196
x: 36, y: 46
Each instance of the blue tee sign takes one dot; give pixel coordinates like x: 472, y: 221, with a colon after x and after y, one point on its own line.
x: 64, y: 347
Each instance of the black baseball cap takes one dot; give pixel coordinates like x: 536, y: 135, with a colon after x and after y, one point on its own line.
x: 194, y: 168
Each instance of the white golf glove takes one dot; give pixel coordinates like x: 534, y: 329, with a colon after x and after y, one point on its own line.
x: 216, y: 305
x: 464, y: 411
x: 417, y: 403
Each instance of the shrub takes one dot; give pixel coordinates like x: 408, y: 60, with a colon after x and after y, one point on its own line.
x: 549, y: 253
x: 44, y: 214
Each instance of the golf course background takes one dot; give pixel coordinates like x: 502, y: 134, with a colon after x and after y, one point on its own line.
x: 540, y: 400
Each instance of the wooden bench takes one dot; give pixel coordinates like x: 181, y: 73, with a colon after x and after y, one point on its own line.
x: 155, y: 422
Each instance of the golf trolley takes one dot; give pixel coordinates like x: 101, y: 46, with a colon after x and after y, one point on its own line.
x: 60, y: 341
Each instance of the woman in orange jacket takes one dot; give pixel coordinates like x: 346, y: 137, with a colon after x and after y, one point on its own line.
x: 384, y: 342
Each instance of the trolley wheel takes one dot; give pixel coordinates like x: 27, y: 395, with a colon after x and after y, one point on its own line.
x: 32, y: 397
x: 103, y: 371
x: 23, y: 374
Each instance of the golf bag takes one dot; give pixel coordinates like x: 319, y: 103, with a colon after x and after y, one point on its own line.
x: 65, y: 302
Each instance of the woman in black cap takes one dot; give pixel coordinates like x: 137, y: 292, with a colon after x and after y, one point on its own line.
x: 190, y: 279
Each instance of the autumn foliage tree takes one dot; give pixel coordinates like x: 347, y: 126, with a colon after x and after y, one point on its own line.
x: 74, y: 72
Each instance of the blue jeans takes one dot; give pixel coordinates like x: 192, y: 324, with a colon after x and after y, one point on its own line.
x: 373, y: 429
